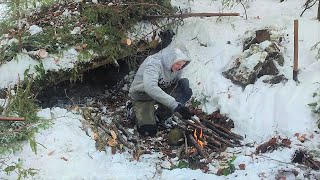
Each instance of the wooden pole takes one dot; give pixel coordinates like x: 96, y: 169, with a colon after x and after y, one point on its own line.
x: 319, y: 11
x: 191, y: 15
x: 12, y: 118
x: 295, y: 56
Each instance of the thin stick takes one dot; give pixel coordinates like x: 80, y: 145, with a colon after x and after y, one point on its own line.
x: 223, y: 129
x: 119, y: 136
x: 191, y: 15
x: 212, y: 134
x: 12, y: 118
x: 295, y: 61
x: 179, y: 152
x: 185, y: 142
x: 194, y: 142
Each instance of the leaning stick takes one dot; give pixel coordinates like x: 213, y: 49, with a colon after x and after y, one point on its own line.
x: 194, y: 142
x: 12, y: 118
x: 211, y: 133
x: 185, y: 141
x: 191, y: 15
x: 119, y: 136
x: 227, y: 135
x: 224, y: 129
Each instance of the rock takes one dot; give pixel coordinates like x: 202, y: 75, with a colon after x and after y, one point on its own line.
x: 276, y: 79
x: 247, y: 69
x: 175, y: 137
x: 3, y: 94
x: 248, y: 42
x: 262, y: 35
x: 258, y: 59
x: 268, y: 68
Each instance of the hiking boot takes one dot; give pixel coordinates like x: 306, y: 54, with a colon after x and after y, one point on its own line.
x: 163, y: 113
x: 147, y: 130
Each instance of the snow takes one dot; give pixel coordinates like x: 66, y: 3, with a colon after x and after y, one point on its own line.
x: 260, y: 111
x: 34, y: 29
x: 12, y: 71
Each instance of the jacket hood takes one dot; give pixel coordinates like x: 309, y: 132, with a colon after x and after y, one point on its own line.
x: 173, y: 55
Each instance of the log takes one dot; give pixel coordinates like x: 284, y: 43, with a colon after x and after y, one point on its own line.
x: 194, y: 142
x: 212, y: 141
x: 191, y: 15
x: 237, y: 136
x: 125, y: 132
x: 227, y: 135
x: 119, y: 136
x: 12, y: 118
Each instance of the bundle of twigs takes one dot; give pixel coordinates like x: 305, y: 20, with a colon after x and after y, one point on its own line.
x: 215, y: 137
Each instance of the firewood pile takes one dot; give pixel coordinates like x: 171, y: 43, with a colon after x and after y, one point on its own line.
x: 202, y: 138
x: 206, y: 136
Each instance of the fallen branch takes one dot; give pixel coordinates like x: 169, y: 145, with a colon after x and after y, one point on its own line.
x: 226, y: 133
x: 129, y: 136
x: 12, y: 118
x: 120, y: 138
x: 224, y: 130
x: 191, y: 15
x: 308, y: 5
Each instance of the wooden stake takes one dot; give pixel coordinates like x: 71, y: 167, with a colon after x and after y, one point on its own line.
x: 295, y: 57
x: 12, y: 118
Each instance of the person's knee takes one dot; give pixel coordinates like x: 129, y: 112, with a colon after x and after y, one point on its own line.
x: 183, y: 82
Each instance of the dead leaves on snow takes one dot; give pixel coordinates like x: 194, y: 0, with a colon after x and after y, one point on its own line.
x: 273, y: 144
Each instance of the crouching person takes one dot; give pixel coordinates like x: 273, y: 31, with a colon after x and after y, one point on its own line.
x: 158, y: 81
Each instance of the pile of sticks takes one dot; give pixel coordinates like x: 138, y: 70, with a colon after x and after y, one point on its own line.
x: 215, y: 138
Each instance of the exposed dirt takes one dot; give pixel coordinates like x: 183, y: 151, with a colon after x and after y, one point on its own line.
x: 95, y: 84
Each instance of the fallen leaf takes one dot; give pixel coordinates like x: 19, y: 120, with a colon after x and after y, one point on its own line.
x: 311, y: 136
x: 95, y: 136
x: 51, y: 153
x: 113, y: 134
x: 220, y: 172
x: 126, y: 41
x: 270, y: 145
x: 112, y: 142
x: 242, y: 166
x: 286, y: 142
x: 301, y: 138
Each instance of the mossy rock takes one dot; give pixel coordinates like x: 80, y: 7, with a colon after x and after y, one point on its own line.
x: 175, y: 137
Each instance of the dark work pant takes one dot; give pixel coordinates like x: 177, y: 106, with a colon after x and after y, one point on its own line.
x: 181, y: 91
x: 145, y: 112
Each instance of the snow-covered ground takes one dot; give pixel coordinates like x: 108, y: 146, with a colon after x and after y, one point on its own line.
x: 260, y: 111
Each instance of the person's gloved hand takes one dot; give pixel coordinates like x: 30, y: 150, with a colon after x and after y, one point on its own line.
x: 183, y: 111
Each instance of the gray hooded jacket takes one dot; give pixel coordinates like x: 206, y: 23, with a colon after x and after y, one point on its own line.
x: 155, y: 73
